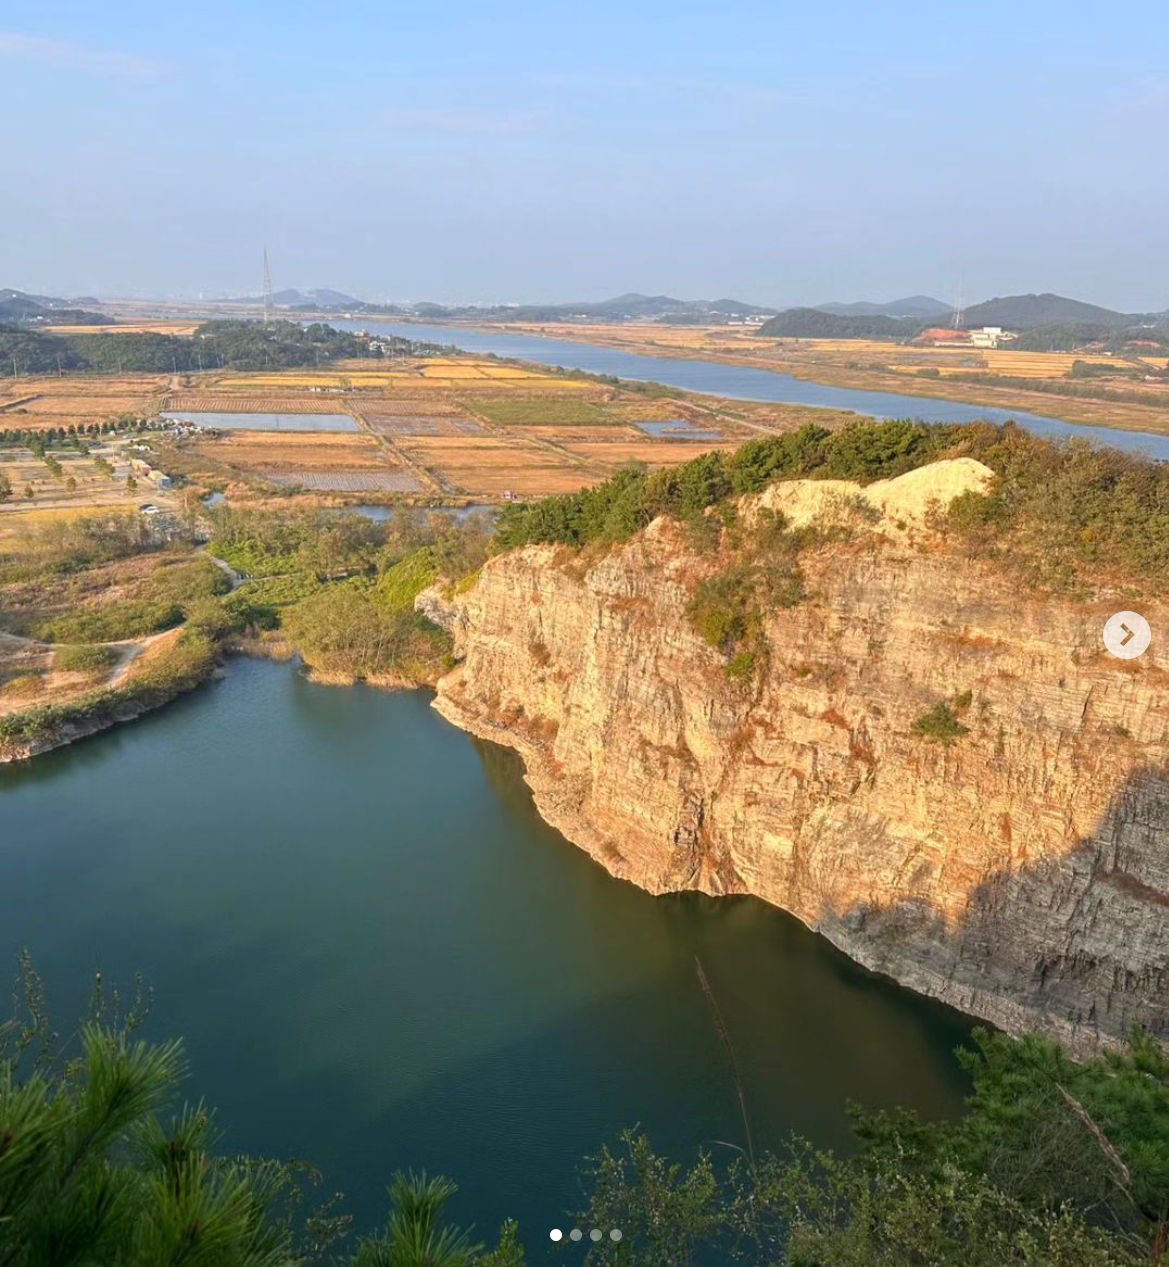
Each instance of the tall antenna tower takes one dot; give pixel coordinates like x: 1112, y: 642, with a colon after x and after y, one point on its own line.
x: 959, y: 316
x: 267, y: 290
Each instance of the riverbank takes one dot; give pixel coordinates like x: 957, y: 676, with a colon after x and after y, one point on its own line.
x: 175, y: 664
x: 797, y: 358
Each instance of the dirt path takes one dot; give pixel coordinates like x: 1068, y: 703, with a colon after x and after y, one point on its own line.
x: 232, y: 575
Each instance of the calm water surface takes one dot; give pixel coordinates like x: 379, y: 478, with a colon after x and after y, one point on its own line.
x: 381, y: 957
x: 738, y: 382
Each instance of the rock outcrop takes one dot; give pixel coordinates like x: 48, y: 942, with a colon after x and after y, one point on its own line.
x: 1021, y: 873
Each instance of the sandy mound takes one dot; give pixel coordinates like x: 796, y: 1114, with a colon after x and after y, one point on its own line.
x: 897, y: 503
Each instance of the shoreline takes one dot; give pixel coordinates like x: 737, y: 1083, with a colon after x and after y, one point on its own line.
x: 1053, y: 404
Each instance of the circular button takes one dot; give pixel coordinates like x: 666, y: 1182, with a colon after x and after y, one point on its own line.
x: 1127, y: 635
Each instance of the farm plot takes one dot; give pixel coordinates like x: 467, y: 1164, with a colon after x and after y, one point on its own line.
x: 398, y: 481
x: 651, y: 453
x: 542, y: 410
x: 604, y: 434
x: 424, y: 425
x: 295, y: 422
x: 414, y: 407
x: 213, y: 402
x: 268, y: 454
x: 54, y: 403
x: 489, y: 466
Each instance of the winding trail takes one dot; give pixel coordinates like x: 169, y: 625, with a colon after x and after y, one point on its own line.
x: 127, y: 649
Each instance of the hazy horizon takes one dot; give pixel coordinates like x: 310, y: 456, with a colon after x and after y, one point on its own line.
x: 770, y: 154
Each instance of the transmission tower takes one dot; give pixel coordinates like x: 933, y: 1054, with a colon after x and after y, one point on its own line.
x: 959, y: 316
x: 267, y: 290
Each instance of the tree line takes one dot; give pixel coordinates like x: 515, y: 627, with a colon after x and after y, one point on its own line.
x: 240, y: 345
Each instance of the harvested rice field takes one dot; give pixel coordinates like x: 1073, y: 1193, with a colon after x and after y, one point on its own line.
x: 88, y: 404
x: 491, y: 467
x: 424, y: 425
x: 213, y: 402
x: 285, y: 452
x: 412, y: 406
x: 604, y: 434
x: 398, y: 481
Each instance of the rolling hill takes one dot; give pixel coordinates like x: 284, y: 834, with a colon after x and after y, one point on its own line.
x: 921, y: 307
x: 1021, y: 312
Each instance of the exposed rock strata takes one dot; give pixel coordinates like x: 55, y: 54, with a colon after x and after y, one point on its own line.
x: 1021, y: 874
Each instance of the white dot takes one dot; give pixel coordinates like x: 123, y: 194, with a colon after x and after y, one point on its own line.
x: 595, y: 1234
x: 615, y: 1234
x: 556, y: 1234
x: 575, y: 1234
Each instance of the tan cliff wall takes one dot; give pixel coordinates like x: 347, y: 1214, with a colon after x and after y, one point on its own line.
x: 1021, y: 874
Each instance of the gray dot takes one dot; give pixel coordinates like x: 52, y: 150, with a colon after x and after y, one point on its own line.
x: 615, y: 1234
x: 575, y: 1234
x: 595, y: 1234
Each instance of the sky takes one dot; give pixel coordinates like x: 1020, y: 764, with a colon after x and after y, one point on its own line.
x: 782, y: 153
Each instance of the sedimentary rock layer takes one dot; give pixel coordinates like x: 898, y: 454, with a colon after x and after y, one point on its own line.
x: 1021, y: 874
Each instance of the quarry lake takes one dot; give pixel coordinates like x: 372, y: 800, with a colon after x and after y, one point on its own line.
x: 736, y: 382
x: 381, y: 957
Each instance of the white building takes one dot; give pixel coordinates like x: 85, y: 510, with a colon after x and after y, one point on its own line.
x: 990, y: 336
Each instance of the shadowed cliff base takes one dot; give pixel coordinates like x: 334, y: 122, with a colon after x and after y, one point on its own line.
x: 1083, y: 938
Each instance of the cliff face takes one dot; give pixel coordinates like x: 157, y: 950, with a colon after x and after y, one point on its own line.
x: 1021, y: 874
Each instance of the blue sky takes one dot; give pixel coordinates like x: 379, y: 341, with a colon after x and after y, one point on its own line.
x: 782, y: 152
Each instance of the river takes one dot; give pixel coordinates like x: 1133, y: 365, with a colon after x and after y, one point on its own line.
x: 381, y: 957
x: 736, y: 382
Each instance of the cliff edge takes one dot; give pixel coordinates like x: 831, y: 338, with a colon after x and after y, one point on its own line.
x: 1019, y: 869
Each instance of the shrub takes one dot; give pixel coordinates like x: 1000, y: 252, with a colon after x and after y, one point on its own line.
x: 741, y: 667
x: 112, y: 622
x: 82, y: 658
x: 940, y: 725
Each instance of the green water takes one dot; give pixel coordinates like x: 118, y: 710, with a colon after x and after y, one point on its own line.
x: 381, y: 957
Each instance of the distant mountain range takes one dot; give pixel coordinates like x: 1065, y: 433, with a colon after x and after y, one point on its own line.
x: 317, y: 299
x: 923, y: 307
x: 1013, y: 312
x: 630, y: 307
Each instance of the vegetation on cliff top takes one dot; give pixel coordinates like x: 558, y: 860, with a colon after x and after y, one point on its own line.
x: 1054, y: 1165
x: 1067, y: 514
x: 341, y: 589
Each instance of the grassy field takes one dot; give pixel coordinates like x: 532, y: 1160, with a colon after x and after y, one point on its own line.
x: 542, y: 410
